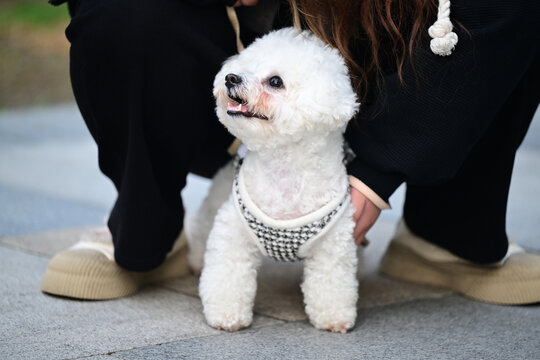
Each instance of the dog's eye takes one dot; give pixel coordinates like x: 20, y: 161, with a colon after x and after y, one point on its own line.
x: 275, y: 82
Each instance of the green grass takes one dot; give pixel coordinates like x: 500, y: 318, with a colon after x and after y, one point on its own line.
x: 33, y: 13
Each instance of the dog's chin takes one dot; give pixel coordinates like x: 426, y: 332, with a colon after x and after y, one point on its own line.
x: 237, y: 110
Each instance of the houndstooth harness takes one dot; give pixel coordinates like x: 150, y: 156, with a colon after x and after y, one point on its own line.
x: 284, y: 240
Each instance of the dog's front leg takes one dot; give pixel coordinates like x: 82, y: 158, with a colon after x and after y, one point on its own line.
x: 330, y: 284
x: 229, y: 277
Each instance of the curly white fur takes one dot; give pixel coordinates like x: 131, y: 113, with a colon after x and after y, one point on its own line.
x: 197, y: 226
x: 293, y: 167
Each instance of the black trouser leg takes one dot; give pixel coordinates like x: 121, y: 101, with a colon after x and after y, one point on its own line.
x: 467, y: 215
x: 142, y: 75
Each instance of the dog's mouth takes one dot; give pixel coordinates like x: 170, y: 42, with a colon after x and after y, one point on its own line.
x: 240, y: 109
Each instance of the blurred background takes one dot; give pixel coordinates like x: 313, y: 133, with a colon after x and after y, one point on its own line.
x: 33, y: 54
x: 49, y: 176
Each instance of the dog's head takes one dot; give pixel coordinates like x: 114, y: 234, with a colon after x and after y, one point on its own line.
x: 285, y: 86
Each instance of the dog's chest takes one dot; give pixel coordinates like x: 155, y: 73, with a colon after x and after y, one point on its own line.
x: 285, y: 193
x: 279, y: 196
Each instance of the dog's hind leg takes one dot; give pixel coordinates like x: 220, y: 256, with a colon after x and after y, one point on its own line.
x: 330, y: 284
x: 198, y: 225
x: 229, y: 278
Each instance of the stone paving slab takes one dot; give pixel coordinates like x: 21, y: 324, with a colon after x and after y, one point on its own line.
x: 49, y: 151
x: 99, y: 357
x: 278, y: 294
x: 47, y: 243
x: 35, y: 124
x: 449, y: 328
x: 24, y: 212
x: 66, y: 170
x: 38, y: 326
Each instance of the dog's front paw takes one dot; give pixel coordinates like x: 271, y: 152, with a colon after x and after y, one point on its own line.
x: 335, y: 321
x: 229, y: 321
x: 337, y: 327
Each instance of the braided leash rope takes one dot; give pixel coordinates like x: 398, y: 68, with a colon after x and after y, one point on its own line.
x: 443, y: 40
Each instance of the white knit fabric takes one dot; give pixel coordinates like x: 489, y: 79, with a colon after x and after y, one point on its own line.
x: 444, y: 39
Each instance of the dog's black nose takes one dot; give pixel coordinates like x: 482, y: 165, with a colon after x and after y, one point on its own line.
x: 231, y: 80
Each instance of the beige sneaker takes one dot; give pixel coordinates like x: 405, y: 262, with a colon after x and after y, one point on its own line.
x: 88, y: 271
x: 512, y: 281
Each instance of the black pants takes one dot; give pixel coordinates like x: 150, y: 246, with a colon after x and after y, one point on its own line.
x: 467, y: 215
x: 142, y: 74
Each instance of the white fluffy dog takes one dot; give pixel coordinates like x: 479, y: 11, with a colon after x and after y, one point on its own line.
x: 288, y: 98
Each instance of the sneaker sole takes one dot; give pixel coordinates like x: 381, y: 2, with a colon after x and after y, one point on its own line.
x: 90, y: 275
x: 515, y: 283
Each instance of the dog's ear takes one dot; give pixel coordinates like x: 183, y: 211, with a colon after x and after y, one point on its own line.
x: 345, y: 101
x: 328, y: 102
x: 327, y: 95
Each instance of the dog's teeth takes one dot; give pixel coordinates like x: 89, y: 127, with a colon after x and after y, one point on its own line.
x: 232, y: 107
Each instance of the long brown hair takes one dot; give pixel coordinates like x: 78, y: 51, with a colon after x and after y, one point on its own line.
x: 381, y: 29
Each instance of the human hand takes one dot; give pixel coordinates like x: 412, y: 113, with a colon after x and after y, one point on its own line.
x: 365, y: 215
x: 245, y: 3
